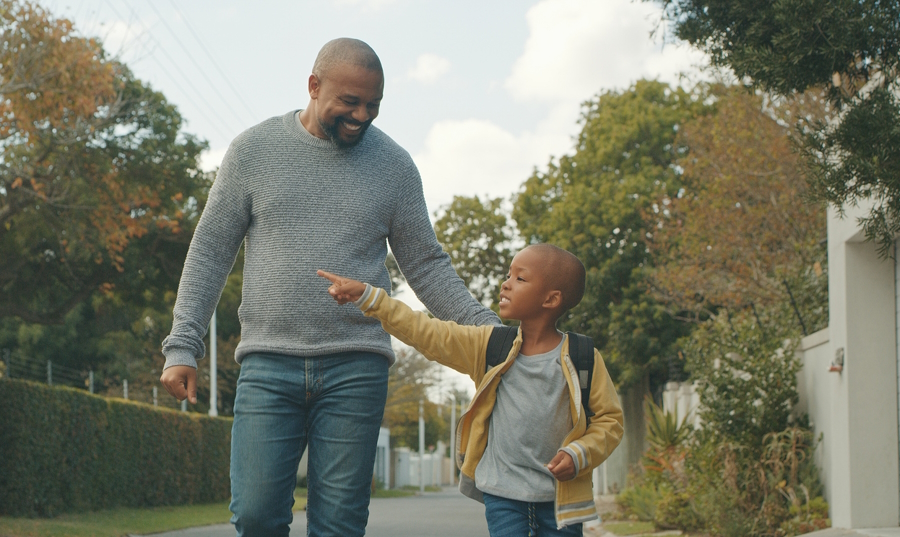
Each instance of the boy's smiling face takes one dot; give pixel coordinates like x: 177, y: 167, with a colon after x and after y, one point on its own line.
x: 526, y: 288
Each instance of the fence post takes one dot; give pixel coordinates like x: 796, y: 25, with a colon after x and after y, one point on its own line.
x: 49, y: 373
x: 184, y: 405
x: 125, y: 388
x: 91, y: 380
x: 154, y: 396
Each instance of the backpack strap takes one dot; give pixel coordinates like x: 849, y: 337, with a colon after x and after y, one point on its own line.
x: 499, y: 345
x: 581, y: 351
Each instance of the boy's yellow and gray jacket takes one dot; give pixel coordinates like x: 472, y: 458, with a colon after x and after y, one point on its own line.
x: 463, y: 348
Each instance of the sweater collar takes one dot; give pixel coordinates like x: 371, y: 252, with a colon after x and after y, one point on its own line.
x: 295, y: 127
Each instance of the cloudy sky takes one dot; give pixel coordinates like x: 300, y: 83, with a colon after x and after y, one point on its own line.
x: 479, y: 92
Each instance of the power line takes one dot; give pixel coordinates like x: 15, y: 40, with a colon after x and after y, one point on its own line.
x: 213, y: 61
x: 177, y: 68
x: 214, y: 86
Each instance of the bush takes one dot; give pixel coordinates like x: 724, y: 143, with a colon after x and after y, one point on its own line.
x: 747, y: 375
x: 639, y: 502
x: 749, y: 471
x: 62, y: 450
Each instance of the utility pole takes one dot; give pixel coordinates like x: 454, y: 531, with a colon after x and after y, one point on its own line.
x: 213, y: 366
x: 453, y: 439
x: 421, y: 448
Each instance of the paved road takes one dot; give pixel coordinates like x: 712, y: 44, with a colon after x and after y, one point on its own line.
x: 432, y: 514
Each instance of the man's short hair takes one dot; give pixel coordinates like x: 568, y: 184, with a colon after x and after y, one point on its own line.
x: 345, y: 50
x: 564, y: 272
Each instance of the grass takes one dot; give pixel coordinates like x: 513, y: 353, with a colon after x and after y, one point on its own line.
x: 629, y: 528
x: 122, y: 521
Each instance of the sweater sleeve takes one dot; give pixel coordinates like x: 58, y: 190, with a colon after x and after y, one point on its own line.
x: 424, y: 263
x: 210, y: 257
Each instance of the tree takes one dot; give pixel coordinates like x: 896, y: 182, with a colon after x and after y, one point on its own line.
x: 593, y: 202
x: 739, y: 233
x: 848, y: 48
x: 97, y: 183
x: 99, y: 193
x: 408, y: 383
x: 479, y: 238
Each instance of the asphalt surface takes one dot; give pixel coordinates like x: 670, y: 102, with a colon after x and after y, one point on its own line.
x: 432, y: 514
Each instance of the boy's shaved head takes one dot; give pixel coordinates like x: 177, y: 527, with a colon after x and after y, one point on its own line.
x: 564, y: 272
x: 345, y: 51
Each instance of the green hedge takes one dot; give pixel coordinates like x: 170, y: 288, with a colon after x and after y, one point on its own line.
x: 62, y: 449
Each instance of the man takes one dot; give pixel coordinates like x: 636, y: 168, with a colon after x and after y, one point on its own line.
x: 318, y: 188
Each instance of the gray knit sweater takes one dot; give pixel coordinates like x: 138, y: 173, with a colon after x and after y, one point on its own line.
x: 300, y: 203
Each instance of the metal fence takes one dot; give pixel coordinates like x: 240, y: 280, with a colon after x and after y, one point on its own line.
x: 55, y: 374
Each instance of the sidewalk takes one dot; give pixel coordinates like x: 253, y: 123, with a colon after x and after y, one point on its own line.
x: 607, y: 504
x: 868, y: 532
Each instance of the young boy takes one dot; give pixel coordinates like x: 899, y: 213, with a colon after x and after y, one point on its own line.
x: 526, y: 448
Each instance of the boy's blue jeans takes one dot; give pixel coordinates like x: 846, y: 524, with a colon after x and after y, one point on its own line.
x: 514, y: 518
x: 334, y: 405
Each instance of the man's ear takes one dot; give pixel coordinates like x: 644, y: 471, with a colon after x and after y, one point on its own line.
x: 553, y: 299
x: 313, y: 86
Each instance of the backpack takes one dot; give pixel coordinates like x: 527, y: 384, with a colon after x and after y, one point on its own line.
x: 581, y: 351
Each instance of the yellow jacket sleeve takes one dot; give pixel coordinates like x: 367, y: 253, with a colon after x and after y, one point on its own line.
x: 605, y: 428
x: 459, y: 347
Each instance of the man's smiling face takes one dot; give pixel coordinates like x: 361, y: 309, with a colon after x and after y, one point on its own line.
x: 347, y: 99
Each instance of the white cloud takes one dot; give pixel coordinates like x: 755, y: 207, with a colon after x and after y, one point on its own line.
x: 578, y: 47
x: 429, y: 68
x: 372, y: 5
x: 471, y: 157
x: 211, y: 159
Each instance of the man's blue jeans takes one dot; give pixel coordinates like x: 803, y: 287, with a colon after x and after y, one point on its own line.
x: 513, y: 518
x: 333, y: 404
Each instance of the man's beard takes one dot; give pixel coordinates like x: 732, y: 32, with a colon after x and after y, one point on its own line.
x: 334, y: 135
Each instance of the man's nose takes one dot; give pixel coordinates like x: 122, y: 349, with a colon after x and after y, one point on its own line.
x: 361, y: 114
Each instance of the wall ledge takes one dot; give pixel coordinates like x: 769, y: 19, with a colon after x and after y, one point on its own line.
x: 814, y: 340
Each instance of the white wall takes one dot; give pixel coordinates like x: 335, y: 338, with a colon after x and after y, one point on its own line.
x: 816, y: 386
x: 861, y: 452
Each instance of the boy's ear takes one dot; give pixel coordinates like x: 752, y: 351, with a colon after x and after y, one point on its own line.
x: 553, y: 299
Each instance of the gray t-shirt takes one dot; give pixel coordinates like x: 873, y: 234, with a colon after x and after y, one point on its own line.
x: 530, y: 420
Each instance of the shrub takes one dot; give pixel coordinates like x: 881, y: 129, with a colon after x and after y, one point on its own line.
x: 62, y: 449
x: 639, y: 502
x: 747, y: 376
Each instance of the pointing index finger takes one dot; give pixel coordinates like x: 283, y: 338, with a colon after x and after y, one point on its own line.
x: 329, y: 276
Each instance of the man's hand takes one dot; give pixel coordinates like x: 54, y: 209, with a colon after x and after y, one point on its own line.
x: 343, y: 290
x: 181, y: 382
x: 562, y: 466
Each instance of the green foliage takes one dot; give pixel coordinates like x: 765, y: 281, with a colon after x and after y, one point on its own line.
x: 100, y: 190
x: 674, y: 510
x: 593, y: 203
x: 792, y: 45
x: 850, y: 49
x: 639, y: 502
x: 65, y: 450
x: 747, y: 374
x: 749, y: 470
x: 858, y: 160
x: 664, y: 431
x: 478, y: 237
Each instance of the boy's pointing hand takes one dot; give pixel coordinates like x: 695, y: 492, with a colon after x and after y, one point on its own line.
x: 343, y: 290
